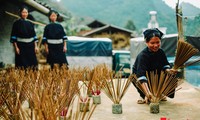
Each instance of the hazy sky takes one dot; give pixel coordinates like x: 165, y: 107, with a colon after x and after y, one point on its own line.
x: 172, y: 3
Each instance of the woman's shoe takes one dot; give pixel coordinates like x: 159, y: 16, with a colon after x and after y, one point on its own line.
x: 141, y: 101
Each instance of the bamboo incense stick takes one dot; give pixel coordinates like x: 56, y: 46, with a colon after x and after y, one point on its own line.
x: 160, y: 85
x: 183, y: 53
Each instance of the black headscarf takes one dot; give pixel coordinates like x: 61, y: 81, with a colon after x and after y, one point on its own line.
x: 149, y: 33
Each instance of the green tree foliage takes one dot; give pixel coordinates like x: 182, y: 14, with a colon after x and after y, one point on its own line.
x: 192, y: 26
x: 130, y: 25
x: 118, y: 12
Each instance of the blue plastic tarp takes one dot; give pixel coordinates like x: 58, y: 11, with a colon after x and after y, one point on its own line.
x: 79, y: 46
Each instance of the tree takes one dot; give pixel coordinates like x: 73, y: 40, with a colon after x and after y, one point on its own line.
x: 192, y: 26
x: 130, y: 25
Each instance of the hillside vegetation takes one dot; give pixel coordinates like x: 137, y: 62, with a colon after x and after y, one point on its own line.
x: 119, y: 12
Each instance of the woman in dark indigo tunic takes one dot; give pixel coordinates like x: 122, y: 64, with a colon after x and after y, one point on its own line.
x: 151, y: 58
x: 24, y: 40
x: 54, y: 39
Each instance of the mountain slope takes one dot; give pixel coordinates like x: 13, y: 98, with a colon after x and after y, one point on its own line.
x: 189, y: 10
x: 118, y: 12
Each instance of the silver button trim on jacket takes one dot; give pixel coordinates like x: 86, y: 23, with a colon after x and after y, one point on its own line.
x: 55, y: 41
x: 25, y: 40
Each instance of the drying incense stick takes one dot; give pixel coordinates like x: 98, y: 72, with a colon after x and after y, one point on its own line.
x: 12, y: 94
x: 183, y: 53
x: 160, y: 85
x: 49, y: 92
x: 196, y: 60
x: 116, y: 87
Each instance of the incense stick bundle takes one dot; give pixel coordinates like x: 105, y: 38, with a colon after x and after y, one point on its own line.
x: 13, y: 94
x: 95, y: 78
x: 49, y: 92
x: 160, y: 85
x: 183, y: 53
x: 88, y: 74
x: 83, y: 92
x: 98, y: 78
x: 74, y: 112
x: 196, y: 60
x: 116, y: 87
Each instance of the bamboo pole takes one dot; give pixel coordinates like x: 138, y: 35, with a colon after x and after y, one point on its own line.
x: 179, y: 21
x: 16, y: 16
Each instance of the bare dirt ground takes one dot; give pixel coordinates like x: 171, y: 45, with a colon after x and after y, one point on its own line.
x: 185, y: 106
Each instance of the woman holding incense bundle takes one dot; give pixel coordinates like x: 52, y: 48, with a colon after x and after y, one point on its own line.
x: 24, y: 40
x: 54, y: 39
x: 151, y: 58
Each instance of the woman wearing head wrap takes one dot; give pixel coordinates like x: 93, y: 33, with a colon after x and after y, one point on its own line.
x: 54, y: 39
x: 151, y: 58
x: 24, y: 40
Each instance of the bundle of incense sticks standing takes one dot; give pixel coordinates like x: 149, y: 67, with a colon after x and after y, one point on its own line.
x: 184, y: 52
x: 51, y: 93
x: 160, y: 85
x: 98, y: 78
x: 116, y: 87
x: 74, y: 112
x: 13, y: 91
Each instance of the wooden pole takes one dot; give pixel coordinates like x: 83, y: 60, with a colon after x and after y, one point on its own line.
x: 34, y: 22
x: 179, y: 21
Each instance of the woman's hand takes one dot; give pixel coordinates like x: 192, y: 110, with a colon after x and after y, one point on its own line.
x: 17, y: 50
x: 64, y: 49
x: 148, y: 97
x: 36, y: 50
x: 47, y: 50
x: 172, y: 71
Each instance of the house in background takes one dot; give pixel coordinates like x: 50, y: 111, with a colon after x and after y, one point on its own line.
x: 120, y: 36
x: 98, y: 27
x: 96, y: 24
x: 8, y: 14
